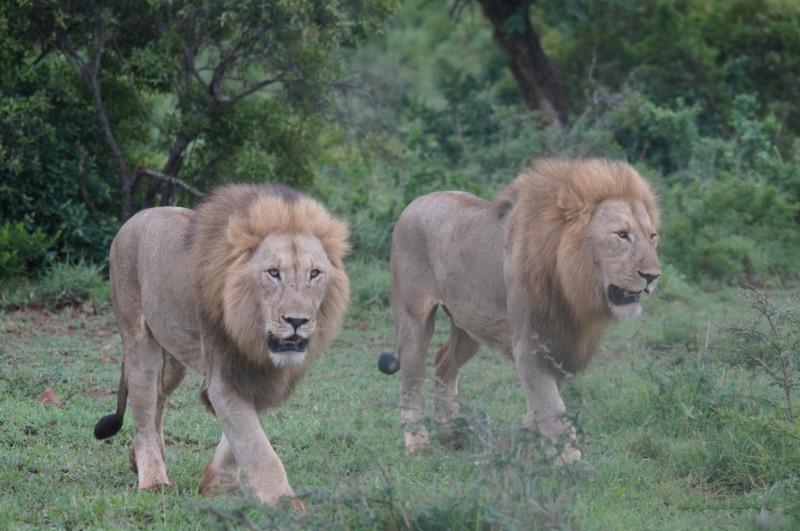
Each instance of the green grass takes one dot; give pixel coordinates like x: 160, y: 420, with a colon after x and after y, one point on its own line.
x: 674, y: 435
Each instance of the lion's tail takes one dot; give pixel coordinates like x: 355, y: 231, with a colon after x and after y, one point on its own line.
x: 110, y: 424
x: 388, y: 363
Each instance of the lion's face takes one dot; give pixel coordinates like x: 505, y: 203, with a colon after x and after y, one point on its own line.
x: 292, y: 273
x: 623, y: 243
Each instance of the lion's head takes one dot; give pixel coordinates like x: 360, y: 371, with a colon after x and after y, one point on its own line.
x: 270, y: 272
x: 586, y: 232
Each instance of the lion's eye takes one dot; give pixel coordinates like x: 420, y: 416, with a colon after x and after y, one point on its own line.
x: 314, y: 273
x: 622, y: 234
x: 274, y: 273
x: 653, y: 236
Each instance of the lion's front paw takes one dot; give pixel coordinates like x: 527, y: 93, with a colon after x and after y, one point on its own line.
x: 569, y: 455
x: 559, y: 440
x: 417, y: 440
x: 157, y: 486
x: 298, y: 505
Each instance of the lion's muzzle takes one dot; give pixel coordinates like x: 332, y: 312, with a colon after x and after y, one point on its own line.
x: 621, y: 297
x: 293, y: 343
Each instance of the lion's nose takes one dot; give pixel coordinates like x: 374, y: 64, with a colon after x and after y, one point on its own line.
x: 649, y: 277
x: 296, y: 322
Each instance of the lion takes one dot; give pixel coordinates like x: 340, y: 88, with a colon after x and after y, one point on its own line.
x: 246, y: 290
x: 538, y: 274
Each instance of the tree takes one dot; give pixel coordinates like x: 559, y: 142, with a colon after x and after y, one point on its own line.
x: 189, y: 93
x: 49, y: 180
x: 533, y: 72
x: 703, y: 53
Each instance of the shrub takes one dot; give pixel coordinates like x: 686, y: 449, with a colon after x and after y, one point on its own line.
x: 63, y: 284
x: 732, y: 212
x: 771, y: 343
x: 20, y: 249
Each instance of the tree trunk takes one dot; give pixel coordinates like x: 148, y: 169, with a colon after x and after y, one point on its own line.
x: 535, y: 76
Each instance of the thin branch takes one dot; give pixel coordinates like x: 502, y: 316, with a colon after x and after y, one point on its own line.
x: 253, y: 88
x: 222, y: 67
x: 127, y: 70
x: 82, y: 184
x: 171, y: 180
x: 189, y: 54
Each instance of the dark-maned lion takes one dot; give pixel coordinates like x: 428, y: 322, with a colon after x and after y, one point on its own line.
x: 537, y: 274
x: 246, y: 290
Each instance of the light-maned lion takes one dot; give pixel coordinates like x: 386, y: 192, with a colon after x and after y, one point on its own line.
x: 537, y: 274
x: 246, y: 290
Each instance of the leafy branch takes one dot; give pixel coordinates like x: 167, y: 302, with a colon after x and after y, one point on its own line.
x: 771, y: 342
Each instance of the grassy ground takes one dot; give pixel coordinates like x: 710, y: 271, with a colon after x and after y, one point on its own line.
x: 677, y: 432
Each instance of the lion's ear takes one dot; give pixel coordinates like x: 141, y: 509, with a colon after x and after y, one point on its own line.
x: 242, y: 235
x: 572, y: 203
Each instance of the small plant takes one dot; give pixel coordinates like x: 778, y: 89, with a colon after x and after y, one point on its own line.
x: 20, y: 248
x: 771, y: 342
x: 63, y: 284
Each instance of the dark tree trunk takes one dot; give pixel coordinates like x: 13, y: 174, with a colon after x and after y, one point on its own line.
x: 535, y: 76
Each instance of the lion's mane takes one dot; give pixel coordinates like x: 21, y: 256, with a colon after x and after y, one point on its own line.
x: 226, y: 229
x: 548, y: 210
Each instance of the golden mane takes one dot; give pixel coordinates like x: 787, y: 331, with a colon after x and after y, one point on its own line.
x: 228, y: 227
x: 558, y: 198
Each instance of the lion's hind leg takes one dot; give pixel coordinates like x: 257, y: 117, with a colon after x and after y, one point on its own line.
x: 172, y: 375
x: 457, y: 351
x: 413, y: 336
x: 145, y: 373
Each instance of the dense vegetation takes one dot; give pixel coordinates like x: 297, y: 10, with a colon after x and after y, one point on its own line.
x: 367, y: 111
x: 689, y: 416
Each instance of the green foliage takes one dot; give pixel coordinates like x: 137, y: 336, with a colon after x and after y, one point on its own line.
x: 771, y: 343
x: 20, y: 249
x: 51, y: 178
x: 663, y: 137
x: 248, y: 104
x: 369, y: 289
x: 734, y: 214
x: 271, y: 144
x: 60, y: 285
x: 705, y: 53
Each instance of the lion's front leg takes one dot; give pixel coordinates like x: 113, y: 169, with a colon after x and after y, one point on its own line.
x: 545, y: 407
x: 263, y: 469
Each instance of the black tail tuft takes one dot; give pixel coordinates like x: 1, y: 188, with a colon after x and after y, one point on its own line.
x: 107, y: 426
x: 388, y: 363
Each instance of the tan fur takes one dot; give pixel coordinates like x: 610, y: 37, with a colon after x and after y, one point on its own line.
x: 196, y: 289
x: 557, y: 200
x: 529, y: 274
x: 231, y: 238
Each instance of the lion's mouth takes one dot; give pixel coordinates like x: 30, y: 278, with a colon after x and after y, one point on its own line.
x: 294, y: 343
x: 621, y: 297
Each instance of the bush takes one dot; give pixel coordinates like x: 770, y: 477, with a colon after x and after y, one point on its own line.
x: 704, y: 52
x: 63, y: 284
x: 771, y: 343
x: 20, y: 249
x: 731, y: 205
x: 51, y: 178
